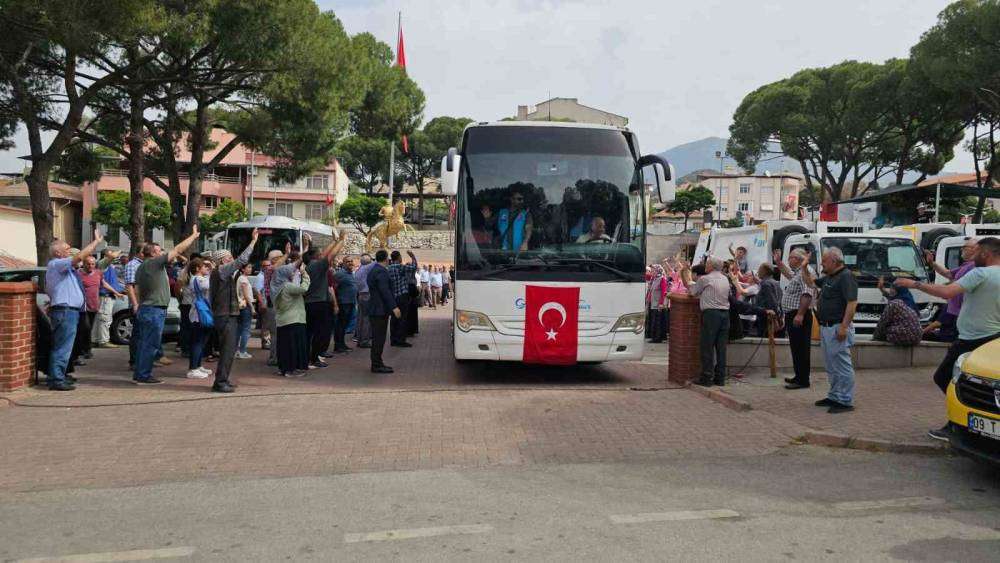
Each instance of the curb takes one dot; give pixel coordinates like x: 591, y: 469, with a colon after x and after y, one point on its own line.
x: 836, y: 440
x: 819, y: 437
x: 721, y: 397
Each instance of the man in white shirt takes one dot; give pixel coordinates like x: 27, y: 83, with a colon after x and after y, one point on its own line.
x: 425, y: 287
x: 436, y: 282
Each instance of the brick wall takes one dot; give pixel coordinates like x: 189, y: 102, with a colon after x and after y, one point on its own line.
x: 17, y: 334
x: 684, y: 364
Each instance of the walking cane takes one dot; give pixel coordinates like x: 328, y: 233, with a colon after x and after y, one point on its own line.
x: 770, y: 345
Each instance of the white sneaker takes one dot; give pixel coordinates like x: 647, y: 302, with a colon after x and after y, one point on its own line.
x: 244, y: 355
x: 207, y: 372
x: 196, y: 373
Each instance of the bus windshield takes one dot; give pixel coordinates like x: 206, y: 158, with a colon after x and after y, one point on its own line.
x: 550, y: 203
x: 875, y: 257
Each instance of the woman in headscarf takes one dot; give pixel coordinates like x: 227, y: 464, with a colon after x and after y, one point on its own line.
x: 899, y: 323
x: 658, y: 305
x: 197, y: 289
x: 288, y: 286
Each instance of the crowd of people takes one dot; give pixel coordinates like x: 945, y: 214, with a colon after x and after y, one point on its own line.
x: 734, y: 300
x: 303, y: 300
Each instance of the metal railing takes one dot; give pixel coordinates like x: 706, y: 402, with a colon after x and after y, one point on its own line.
x: 182, y: 175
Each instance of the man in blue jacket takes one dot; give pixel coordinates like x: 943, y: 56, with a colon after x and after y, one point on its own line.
x: 381, y: 303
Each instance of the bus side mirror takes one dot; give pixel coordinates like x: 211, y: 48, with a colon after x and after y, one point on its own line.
x: 666, y: 184
x: 450, y: 166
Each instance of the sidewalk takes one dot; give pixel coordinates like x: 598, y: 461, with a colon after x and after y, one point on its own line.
x: 894, y: 407
x: 427, y: 366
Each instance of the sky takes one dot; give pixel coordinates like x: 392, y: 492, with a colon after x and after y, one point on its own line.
x: 677, y: 69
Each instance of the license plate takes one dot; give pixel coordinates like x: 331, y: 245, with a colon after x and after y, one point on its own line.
x: 989, y: 427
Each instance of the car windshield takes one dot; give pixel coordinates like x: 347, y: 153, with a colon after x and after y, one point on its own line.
x: 874, y: 257
x: 565, y: 201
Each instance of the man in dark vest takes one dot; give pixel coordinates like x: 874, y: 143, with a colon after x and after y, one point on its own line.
x: 226, y: 310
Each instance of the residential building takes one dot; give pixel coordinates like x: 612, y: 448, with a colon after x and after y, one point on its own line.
x: 19, y: 237
x: 67, y: 217
x: 760, y: 197
x: 568, y: 109
x: 234, y: 178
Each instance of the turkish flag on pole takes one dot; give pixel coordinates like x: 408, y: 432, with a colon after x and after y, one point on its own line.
x: 401, y: 63
x: 551, y: 316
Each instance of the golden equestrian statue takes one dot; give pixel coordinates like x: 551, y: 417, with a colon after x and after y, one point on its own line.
x: 392, y: 224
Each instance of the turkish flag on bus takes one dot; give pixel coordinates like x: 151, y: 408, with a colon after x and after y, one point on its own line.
x: 551, y: 315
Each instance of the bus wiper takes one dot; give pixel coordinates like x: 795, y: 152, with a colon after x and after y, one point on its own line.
x: 599, y: 263
x: 505, y: 268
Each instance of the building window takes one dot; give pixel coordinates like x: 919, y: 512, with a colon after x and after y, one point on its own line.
x: 744, y: 188
x: 745, y: 206
x: 766, y: 193
x: 317, y: 182
x: 723, y: 208
x: 209, y: 201
x: 280, y: 208
x: 315, y: 211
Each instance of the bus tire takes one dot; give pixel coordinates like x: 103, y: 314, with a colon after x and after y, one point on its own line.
x: 930, y: 239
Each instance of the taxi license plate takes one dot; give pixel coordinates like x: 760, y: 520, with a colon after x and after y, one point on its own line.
x: 989, y: 427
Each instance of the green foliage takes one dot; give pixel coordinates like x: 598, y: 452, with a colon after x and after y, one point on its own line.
x: 113, y: 210
x: 228, y: 212
x: 847, y: 122
x: 991, y: 216
x: 80, y: 163
x: 362, y: 211
x: 960, y: 58
x: 392, y: 103
x: 698, y: 198
x: 366, y: 160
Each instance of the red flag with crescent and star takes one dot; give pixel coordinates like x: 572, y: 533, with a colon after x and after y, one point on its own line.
x: 401, y: 63
x: 551, y: 316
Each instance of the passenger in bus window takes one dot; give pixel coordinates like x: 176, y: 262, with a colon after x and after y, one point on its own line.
x: 483, y: 229
x: 514, y: 223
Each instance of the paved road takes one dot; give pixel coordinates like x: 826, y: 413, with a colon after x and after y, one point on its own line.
x: 800, y: 503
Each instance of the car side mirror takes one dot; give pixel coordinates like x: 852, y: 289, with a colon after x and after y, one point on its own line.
x: 665, y: 183
x: 450, y: 165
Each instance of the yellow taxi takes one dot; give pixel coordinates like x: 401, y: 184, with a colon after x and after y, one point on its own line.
x: 974, y: 404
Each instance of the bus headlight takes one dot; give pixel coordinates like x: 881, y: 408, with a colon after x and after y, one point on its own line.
x: 471, y: 320
x: 632, y: 322
x: 956, y: 372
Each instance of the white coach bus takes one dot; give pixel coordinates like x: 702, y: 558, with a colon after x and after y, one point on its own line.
x: 551, y: 205
x: 274, y: 233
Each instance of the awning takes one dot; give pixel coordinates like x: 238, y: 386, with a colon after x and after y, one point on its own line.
x: 947, y: 190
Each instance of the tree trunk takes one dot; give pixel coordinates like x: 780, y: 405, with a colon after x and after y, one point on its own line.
x: 420, y: 210
x: 41, y: 210
x: 196, y: 173
x: 136, y: 176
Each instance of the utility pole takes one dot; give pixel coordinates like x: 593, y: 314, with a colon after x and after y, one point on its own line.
x: 250, y: 175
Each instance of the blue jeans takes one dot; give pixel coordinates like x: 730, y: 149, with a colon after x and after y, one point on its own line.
x: 246, y: 323
x: 64, y: 323
x: 839, y: 368
x: 150, y: 323
x: 197, y: 336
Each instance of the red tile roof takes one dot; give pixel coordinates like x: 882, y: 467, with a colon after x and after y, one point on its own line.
x: 8, y: 261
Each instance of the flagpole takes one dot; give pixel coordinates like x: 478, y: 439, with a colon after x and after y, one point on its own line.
x: 392, y: 167
x: 392, y: 143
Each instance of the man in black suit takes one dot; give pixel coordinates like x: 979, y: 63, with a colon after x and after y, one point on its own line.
x: 381, y: 303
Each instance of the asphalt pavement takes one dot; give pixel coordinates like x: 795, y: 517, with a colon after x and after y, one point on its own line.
x: 799, y: 503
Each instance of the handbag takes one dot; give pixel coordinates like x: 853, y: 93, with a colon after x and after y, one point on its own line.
x: 204, y: 310
x: 815, y: 326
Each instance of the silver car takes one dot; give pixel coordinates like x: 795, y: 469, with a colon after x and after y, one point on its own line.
x: 122, y: 317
